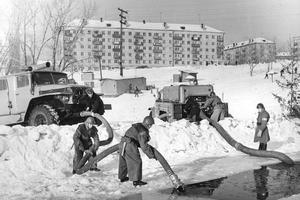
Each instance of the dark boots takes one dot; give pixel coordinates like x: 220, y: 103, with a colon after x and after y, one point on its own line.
x: 262, y: 146
x: 140, y: 183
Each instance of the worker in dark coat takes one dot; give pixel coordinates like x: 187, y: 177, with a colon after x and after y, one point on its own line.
x: 261, y: 131
x: 83, y: 142
x: 218, y: 107
x: 130, y: 162
x: 93, y: 103
x: 192, y: 109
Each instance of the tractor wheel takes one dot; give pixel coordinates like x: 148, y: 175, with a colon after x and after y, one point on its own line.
x: 43, y: 115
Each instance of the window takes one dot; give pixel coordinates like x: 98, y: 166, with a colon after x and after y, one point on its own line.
x: 150, y: 41
x: 150, y: 48
x: 206, y: 50
x: 149, y: 34
x: 130, y: 54
x: 144, y: 34
x: 89, y: 39
x: 109, y: 47
x: 115, y: 61
x: 170, y: 34
x: 130, y: 33
x: 109, y: 61
x: 130, y: 61
x: 89, y: 32
x: 89, y: 46
x: 109, y: 54
x: 82, y: 53
x: 96, y: 60
x: 170, y: 41
x: 188, y: 42
x: 212, y: 43
x: 89, y: 53
x: 130, y: 47
x: 213, y: 50
x: 188, y: 49
x: 130, y: 40
x: 206, y: 36
x: 206, y: 56
x: 3, y: 84
x: 22, y: 81
x: 103, y: 61
x: 163, y: 35
x: 82, y: 46
x: 81, y: 39
x: 213, y: 37
x: 74, y: 53
x: 108, y: 32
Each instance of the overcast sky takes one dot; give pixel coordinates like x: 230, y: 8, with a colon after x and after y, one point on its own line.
x: 240, y: 19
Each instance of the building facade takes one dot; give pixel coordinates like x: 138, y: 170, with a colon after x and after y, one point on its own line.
x: 257, y: 50
x: 149, y: 44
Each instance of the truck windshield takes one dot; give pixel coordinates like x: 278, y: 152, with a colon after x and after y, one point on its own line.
x: 48, y: 78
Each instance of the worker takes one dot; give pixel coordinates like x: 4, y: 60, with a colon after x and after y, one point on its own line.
x: 130, y: 162
x: 136, y: 92
x: 83, y: 143
x: 261, y: 131
x: 218, y: 107
x: 192, y: 109
x: 93, y: 103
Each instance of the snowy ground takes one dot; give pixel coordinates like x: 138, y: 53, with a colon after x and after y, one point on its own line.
x: 36, y: 162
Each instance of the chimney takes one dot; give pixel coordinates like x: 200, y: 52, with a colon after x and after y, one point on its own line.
x: 101, y: 19
x: 165, y: 24
x: 144, y: 21
x: 202, y: 26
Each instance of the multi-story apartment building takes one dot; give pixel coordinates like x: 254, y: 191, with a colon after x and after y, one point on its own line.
x: 257, y: 50
x: 144, y: 43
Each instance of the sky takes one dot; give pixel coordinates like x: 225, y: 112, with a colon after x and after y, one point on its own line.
x: 276, y: 20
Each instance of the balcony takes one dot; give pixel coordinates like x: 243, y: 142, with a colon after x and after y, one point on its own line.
x: 156, y: 37
x: 195, y: 52
x: 220, y: 39
x: 117, y: 42
x: 97, y: 35
x: 136, y: 36
x: 138, y: 50
x: 117, y: 57
x: 195, y: 44
x: 138, y: 43
x: 177, y: 44
x: 68, y: 34
x: 157, y: 44
x: 177, y: 59
x: 116, y: 35
x: 157, y: 58
x: 138, y: 57
x: 116, y: 49
x: 157, y: 50
x: 177, y: 37
x: 97, y: 42
x: 196, y: 38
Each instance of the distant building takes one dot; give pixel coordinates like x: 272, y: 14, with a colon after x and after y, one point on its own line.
x: 257, y: 50
x: 144, y: 43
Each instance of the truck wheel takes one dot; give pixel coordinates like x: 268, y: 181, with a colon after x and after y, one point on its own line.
x: 43, y: 114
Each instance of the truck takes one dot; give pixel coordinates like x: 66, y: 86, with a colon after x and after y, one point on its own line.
x: 36, y: 97
x: 172, y: 99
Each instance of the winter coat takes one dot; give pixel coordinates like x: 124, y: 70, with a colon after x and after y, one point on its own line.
x: 215, y: 102
x: 139, y: 136
x: 94, y: 104
x: 82, y: 138
x: 262, y: 121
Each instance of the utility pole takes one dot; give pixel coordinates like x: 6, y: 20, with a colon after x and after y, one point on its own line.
x: 122, y: 22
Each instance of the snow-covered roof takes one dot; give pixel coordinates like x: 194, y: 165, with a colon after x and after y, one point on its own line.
x: 92, y: 23
x: 250, y: 41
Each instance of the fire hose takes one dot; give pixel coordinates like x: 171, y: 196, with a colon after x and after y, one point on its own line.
x: 82, y: 167
x: 238, y: 146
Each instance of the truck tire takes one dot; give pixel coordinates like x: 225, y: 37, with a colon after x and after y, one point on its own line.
x: 43, y: 114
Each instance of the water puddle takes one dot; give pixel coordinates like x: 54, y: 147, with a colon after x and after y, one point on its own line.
x: 270, y: 182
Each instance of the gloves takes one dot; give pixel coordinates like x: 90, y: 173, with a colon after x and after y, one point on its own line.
x: 259, y: 133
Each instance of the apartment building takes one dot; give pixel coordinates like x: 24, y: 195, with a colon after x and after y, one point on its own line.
x: 143, y: 44
x: 257, y: 50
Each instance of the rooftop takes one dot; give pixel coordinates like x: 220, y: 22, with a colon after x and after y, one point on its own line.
x: 250, y: 41
x: 92, y: 23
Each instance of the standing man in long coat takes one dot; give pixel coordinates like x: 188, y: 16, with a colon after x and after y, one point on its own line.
x: 261, y: 132
x: 130, y: 162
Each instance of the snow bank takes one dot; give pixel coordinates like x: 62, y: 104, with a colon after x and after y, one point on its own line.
x: 43, y: 154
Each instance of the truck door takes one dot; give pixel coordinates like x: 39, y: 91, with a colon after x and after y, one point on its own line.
x: 5, y: 102
x: 22, y: 93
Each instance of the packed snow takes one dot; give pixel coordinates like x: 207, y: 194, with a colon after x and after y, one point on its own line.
x: 36, y: 162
